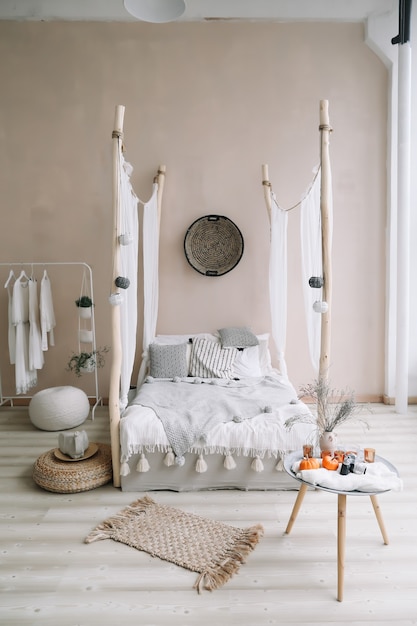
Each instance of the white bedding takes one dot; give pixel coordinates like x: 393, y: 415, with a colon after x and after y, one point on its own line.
x: 263, y: 435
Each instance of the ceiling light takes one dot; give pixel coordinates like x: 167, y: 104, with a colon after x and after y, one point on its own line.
x: 156, y: 11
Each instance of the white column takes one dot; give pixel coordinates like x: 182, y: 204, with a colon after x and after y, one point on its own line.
x: 403, y: 227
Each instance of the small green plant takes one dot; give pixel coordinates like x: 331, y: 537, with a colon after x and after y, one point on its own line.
x: 83, y: 362
x: 84, y: 302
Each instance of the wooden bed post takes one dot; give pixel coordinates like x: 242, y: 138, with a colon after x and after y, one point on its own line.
x: 160, y: 179
x: 325, y: 211
x: 116, y: 362
x: 267, y: 189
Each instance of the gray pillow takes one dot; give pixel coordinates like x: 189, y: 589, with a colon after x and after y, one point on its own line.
x: 237, y: 337
x: 168, y: 361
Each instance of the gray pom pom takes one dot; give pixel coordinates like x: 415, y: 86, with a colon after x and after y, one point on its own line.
x: 122, y: 281
x: 179, y: 460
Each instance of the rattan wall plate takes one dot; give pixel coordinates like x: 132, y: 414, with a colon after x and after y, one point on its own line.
x: 213, y: 245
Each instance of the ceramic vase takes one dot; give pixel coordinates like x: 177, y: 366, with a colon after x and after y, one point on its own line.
x: 328, y: 442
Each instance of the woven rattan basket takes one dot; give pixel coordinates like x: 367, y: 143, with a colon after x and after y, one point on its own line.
x: 53, y: 474
x: 213, y: 245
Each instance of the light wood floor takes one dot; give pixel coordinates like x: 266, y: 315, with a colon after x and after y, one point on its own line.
x: 50, y: 577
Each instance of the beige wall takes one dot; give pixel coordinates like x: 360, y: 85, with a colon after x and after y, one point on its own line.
x: 213, y: 101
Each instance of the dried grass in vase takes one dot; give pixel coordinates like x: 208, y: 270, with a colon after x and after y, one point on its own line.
x: 332, y: 407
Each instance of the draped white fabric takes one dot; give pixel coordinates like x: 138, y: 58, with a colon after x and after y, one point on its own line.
x: 128, y: 266
x: 311, y: 261
x: 278, y: 281
x: 150, y: 240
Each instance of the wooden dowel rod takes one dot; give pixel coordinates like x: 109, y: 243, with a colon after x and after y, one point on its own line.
x: 267, y: 189
x: 116, y: 361
x: 325, y: 208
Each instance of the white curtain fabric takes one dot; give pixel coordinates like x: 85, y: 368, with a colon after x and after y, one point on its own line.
x: 150, y: 240
x: 128, y: 266
x: 278, y: 281
x: 311, y: 261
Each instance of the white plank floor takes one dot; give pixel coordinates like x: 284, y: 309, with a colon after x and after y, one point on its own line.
x: 50, y: 577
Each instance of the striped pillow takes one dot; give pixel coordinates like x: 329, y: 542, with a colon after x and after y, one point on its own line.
x: 210, y: 360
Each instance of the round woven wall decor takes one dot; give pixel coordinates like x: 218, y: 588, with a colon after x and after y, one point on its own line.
x: 213, y: 245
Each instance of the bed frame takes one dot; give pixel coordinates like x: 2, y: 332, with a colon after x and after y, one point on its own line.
x: 182, y: 477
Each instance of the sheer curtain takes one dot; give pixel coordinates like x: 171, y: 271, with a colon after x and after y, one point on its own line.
x: 311, y: 260
x: 278, y: 280
x: 129, y: 229
x: 150, y: 239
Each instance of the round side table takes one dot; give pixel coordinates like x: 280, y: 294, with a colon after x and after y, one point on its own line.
x: 341, y: 512
x: 54, y: 474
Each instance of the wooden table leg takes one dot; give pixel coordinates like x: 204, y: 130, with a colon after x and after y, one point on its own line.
x: 296, y: 507
x: 379, y: 519
x: 341, y: 543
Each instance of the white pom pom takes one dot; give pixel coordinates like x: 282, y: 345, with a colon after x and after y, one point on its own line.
x: 176, y: 379
x: 201, y: 465
x: 229, y: 462
x: 124, y: 469
x: 169, y: 458
x: 143, y: 465
x: 268, y: 409
x: 257, y: 465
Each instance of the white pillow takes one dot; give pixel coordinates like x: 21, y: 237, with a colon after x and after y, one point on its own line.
x: 264, y: 354
x: 210, y: 360
x: 247, y: 363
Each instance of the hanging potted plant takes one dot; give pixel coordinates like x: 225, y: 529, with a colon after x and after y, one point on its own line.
x: 86, y: 362
x: 84, y: 304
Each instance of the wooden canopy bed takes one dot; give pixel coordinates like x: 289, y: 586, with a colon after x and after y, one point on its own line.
x: 208, y: 410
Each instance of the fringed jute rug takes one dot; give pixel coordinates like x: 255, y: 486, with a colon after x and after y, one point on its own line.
x: 213, y: 549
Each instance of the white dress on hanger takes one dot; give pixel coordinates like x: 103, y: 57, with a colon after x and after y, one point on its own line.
x: 11, y: 331
x: 47, y: 312
x: 26, y: 378
x: 36, y: 359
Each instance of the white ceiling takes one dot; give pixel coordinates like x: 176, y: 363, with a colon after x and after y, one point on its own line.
x: 200, y: 10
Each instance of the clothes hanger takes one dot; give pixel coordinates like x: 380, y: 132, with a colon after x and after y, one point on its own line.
x: 11, y: 277
x: 23, y: 275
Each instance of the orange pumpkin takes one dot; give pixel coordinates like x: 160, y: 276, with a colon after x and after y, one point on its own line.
x: 330, y: 463
x: 309, y: 463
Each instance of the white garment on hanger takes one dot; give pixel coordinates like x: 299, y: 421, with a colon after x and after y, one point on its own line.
x: 36, y: 360
x: 47, y: 314
x: 26, y: 378
x: 11, y: 332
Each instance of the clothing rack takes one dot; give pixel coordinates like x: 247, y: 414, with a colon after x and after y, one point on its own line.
x: 98, y: 400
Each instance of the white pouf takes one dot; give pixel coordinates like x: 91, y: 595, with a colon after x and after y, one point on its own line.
x: 59, y: 408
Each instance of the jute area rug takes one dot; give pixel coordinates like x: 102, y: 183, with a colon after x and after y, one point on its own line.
x: 213, y: 549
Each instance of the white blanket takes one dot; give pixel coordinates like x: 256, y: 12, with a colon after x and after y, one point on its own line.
x: 262, y: 435
x: 378, y: 477
x: 190, y: 408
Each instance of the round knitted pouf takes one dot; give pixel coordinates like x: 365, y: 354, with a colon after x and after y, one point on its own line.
x: 59, y: 408
x: 53, y: 474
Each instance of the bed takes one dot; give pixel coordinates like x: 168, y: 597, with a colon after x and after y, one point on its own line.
x: 207, y: 410
x: 208, y: 416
